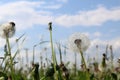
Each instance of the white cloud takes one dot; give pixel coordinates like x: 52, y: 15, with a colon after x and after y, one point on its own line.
x: 26, y: 14
x: 56, y: 6
x: 93, y: 35
x: 63, y: 1
x: 97, y: 34
x: 87, y: 34
x: 89, y: 18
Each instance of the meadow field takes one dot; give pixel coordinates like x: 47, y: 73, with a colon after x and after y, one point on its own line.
x: 54, y: 69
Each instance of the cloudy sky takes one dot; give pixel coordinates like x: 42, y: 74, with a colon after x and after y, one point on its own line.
x: 98, y: 19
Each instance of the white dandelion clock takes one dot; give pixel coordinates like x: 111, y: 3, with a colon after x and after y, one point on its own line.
x: 7, y: 30
x: 78, y: 41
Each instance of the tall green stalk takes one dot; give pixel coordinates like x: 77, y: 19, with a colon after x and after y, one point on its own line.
x: 53, y: 53
x: 9, y: 53
x: 87, y: 73
x: 34, y: 53
x: 81, y: 53
x: 60, y: 52
x: 75, y: 64
x: 97, y: 48
x: 111, y: 51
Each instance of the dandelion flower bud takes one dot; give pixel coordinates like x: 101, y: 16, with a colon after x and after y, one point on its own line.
x: 78, y: 41
x: 50, y: 26
x: 7, y: 30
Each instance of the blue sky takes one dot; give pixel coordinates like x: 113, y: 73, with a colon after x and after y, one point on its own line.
x: 98, y: 19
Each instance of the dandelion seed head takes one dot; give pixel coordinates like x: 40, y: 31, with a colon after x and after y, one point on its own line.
x: 7, y: 30
x: 78, y: 41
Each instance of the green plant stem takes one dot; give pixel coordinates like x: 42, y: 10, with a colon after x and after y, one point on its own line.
x: 53, y: 54
x: 83, y: 59
x: 33, y: 53
x: 75, y: 64
x: 9, y: 53
x: 87, y: 73
x: 43, y: 78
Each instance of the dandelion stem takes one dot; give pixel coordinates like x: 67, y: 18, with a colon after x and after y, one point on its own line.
x: 75, y: 64
x: 33, y: 53
x: 8, y: 45
x: 111, y: 51
x: 53, y: 53
x: 83, y: 59
x: 9, y: 53
x: 84, y: 63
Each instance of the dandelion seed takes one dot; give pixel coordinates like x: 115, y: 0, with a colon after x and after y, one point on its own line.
x: 7, y: 30
x: 78, y: 41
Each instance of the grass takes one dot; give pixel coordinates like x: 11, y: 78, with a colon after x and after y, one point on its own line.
x: 52, y: 70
